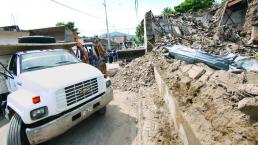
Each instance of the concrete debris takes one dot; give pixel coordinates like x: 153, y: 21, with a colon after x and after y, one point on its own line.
x: 217, y: 99
x: 203, y: 31
x: 212, y: 99
x: 204, y: 94
x: 249, y: 106
x: 249, y: 88
x: 135, y: 74
x: 196, y: 72
x: 251, y: 78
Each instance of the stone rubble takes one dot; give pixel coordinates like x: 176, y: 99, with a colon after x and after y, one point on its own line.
x: 224, y: 103
x: 205, y: 94
x: 135, y: 74
x: 202, y: 31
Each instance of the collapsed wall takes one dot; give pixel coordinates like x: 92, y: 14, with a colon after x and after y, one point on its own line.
x: 206, y: 31
x: 251, y: 20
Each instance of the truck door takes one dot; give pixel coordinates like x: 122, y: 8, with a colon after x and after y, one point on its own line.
x: 12, y: 82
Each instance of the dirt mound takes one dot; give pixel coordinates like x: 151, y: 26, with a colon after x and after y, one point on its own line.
x: 135, y: 74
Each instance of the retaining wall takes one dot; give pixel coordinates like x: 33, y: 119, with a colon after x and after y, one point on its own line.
x: 182, y: 126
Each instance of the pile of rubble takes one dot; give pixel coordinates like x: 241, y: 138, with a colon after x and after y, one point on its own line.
x: 214, y: 40
x: 204, y: 31
x: 221, y: 105
x: 214, y: 101
x: 135, y: 74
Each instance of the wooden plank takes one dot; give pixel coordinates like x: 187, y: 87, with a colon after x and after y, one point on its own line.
x: 8, y: 49
x: 233, y: 2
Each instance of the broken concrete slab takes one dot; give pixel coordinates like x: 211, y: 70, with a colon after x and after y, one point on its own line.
x: 249, y: 88
x: 232, y: 47
x: 196, y: 72
x: 249, y: 106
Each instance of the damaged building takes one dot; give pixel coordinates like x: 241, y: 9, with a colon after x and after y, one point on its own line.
x: 234, y: 22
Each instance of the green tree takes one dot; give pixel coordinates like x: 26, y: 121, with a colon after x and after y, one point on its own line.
x: 140, y: 34
x: 193, y: 5
x: 69, y: 25
x: 168, y: 11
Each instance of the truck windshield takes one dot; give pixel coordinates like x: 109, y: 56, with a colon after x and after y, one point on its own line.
x: 45, y: 59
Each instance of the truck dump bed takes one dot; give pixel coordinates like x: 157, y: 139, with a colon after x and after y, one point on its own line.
x: 9, y: 45
x: 9, y: 49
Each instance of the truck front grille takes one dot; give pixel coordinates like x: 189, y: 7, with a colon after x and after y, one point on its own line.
x: 80, y: 91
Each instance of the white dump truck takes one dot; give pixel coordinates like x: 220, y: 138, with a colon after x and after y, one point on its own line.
x: 45, y: 90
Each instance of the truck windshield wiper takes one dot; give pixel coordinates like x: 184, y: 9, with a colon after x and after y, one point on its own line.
x: 36, y: 67
x: 61, y: 62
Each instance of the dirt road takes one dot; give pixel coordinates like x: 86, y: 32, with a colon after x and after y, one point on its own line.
x: 131, y: 119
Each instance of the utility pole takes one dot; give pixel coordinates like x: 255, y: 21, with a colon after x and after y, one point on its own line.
x: 108, y: 36
x: 136, y: 4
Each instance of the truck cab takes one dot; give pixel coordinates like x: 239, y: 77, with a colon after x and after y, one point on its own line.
x: 50, y: 91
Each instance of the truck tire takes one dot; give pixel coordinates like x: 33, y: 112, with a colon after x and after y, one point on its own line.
x: 16, y: 134
x: 103, y: 111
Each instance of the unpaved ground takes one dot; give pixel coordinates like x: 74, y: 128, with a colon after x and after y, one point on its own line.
x: 131, y: 119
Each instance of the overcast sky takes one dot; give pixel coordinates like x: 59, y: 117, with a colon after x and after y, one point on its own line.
x: 32, y: 14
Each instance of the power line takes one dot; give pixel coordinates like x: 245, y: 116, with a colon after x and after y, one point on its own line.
x: 77, y: 10
x: 112, y: 29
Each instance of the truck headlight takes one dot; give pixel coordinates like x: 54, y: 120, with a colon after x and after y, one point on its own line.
x: 39, y: 113
x: 108, y: 83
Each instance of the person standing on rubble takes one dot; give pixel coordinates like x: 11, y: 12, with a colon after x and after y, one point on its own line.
x: 91, y: 57
x: 114, y: 53
x: 110, y: 56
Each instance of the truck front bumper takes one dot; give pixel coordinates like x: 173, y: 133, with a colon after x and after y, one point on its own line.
x: 62, y: 124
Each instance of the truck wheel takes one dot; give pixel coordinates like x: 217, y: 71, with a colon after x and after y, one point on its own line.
x: 16, y: 134
x: 103, y: 110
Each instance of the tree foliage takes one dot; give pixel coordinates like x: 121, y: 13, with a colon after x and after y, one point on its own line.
x: 69, y: 25
x: 140, y: 34
x: 188, y: 6
x: 168, y: 11
x: 193, y: 5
